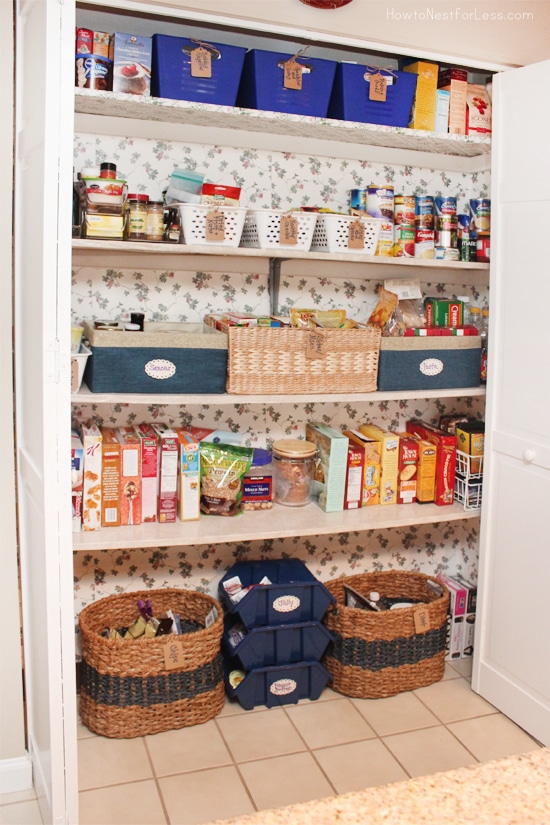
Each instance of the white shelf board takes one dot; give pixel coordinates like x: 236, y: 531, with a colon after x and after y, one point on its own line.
x: 85, y: 397
x: 280, y: 522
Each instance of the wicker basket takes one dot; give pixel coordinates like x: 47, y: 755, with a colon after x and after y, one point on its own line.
x: 275, y: 360
x: 126, y: 688
x: 381, y: 654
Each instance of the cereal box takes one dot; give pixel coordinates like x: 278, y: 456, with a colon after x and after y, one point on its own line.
x: 424, y: 107
x: 445, y: 473
x: 389, y: 460
x: 425, y: 475
x: 408, y: 467
x: 130, y: 475
x: 110, y: 479
x: 470, y: 439
x: 353, y: 493
x: 459, y: 601
x: 91, y: 505
x: 330, y: 474
x: 168, y: 479
x: 371, y: 471
x: 189, y: 476
x: 77, y: 479
x: 149, y: 471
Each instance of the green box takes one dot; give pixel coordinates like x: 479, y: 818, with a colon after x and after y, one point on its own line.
x: 330, y: 475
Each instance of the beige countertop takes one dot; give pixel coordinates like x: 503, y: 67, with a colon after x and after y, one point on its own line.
x: 512, y: 791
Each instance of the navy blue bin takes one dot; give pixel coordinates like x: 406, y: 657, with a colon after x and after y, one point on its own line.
x: 294, y: 595
x: 262, y: 84
x: 285, y: 644
x: 282, y: 685
x: 350, y: 97
x: 171, y: 71
x: 426, y: 363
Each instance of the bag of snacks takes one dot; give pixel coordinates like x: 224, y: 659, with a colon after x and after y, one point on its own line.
x: 223, y: 467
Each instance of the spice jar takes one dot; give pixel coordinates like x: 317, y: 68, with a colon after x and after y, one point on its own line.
x: 155, y: 221
x: 107, y: 170
x: 136, y: 219
x: 294, y: 462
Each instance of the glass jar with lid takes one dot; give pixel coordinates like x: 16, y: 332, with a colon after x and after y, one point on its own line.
x: 294, y: 462
x: 136, y: 218
x: 155, y: 221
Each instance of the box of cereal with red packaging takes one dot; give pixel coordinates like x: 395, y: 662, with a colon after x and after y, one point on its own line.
x: 168, y: 479
x: 407, y: 469
x: 130, y: 475
x: 445, y: 472
x: 149, y: 446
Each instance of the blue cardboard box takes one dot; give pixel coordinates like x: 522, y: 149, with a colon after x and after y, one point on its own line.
x: 429, y: 363
x: 350, y: 96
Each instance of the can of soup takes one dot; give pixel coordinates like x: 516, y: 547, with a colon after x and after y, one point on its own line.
x: 404, y: 238
x: 424, y: 212
x: 404, y: 210
x: 445, y: 206
x: 480, y: 214
x: 358, y: 200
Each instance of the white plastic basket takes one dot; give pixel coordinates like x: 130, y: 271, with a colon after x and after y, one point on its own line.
x: 78, y: 364
x: 469, y: 480
x: 331, y: 234
x: 262, y: 229
x: 193, y: 221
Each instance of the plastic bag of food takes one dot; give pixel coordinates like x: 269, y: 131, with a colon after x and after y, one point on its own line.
x: 223, y: 467
x: 387, y: 301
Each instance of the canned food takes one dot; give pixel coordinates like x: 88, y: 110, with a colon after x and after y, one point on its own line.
x: 385, y: 239
x: 443, y: 222
x: 445, y: 206
x: 463, y: 224
x: 404, y: 238
x: 445, y: 253
x: 358, y: 199
x: 93, y: 72
x: 404, y: 210
x: 446, y: 238
x: 483, y: 247
x: 480, y: 211
x: 424, y: 246
x: 380, y: 202
x: 424, y: 212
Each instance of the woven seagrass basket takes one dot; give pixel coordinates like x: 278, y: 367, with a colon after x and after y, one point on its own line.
x: 377, y: 654
x: 127, y: 690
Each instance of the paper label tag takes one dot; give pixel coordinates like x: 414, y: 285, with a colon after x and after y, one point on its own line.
x: 173, y: 655
x: 293, y: 75
x: 404, y: 289
x: 356, y: 235
x: 377, y: 87
x: 288, y: 232
x: 215, y: 226
x: 211, y: 617
x: 201, y: 62
x: 315, y: 345
x: 422, y: 619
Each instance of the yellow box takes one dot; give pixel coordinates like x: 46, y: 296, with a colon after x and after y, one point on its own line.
x: 470, y: 439
x: 425, y: 476
x: 423, y: 111
x: 371, y: 472
x: 389, y: 460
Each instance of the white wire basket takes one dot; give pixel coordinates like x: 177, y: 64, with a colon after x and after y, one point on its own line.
x: 262, y: 229
x: 469, y: 480
x: 193, y: 222
x: 331, y: 234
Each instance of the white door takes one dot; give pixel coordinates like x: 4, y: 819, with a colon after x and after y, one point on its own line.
x: 512, y: 659
x: 43, y: 176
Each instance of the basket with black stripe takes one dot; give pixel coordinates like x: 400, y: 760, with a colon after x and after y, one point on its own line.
x: 377, y: 654
x: 134, y: 687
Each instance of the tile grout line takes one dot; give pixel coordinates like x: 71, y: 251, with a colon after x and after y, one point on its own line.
x: 156, y: 781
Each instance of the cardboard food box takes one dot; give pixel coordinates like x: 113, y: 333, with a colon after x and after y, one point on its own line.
x: 330, y: 474
x: 110, y: 479
x: 478, y: 111
x: 455, y: 81
x: 442, y: 105
x: 353, y: 495
x: 371, y: 473
x: 149, y: 449
x: 446, y: 458
x: 189, y: 475
x: 424, y: 107
x: 468, y: 638
x: 130, y: 475
x: 458, y: 603
x: 77, y: 479
x: 91, y: 503
x: 168, y: 478
x: 132, y: 59
x: 408, y: 469
x: 470, y: 439
x: 443, y: 313
x: 389, y: 460
x: 425, y: 475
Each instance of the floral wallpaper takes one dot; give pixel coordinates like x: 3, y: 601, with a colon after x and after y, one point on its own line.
x: 268, y: 180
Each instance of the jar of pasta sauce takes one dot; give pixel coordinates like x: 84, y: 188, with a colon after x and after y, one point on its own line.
x: 294, y: 463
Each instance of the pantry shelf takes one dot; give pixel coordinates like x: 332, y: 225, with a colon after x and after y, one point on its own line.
x: 280, y: 522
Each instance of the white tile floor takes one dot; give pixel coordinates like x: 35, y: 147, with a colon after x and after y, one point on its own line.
x: 244, y: 761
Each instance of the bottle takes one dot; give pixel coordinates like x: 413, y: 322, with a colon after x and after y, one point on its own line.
x: 172, y: 233
x: 136, y: 221
x: 155, y: 221
x: 474, y: 317
x: 484, y: 334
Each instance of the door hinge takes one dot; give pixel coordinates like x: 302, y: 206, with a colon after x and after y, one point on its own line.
x: 52, y: 362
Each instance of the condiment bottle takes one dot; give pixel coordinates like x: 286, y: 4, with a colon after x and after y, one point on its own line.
x: 107, y: 170
x: 172, y: 233
x: 136, y: 218
x: 155, y: 221
x: 474, y: 317
x: 294, y: 462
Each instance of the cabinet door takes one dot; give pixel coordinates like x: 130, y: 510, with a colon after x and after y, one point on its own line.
x: 43, y: 174
x: 511, y: 664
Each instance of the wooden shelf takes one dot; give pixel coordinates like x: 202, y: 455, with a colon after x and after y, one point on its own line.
x: 280, y: 522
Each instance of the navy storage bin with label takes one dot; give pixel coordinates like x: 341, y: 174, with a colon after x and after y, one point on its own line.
x: 164, y: 358
x: 268, y: 646
x: 281, y: 685
x: 429, y: 362
x: 171, y: 71
x: 262, y: 84
x: 350, y: 96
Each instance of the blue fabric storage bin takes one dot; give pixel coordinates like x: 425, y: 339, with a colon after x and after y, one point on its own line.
x: 171, y: 72
x: 285, y: 644
x: 193, y: 361
x: 281, y: 685
x: 426, y: 363
x: 262, y: 84
x: 294, y: 595
x: 350, y: 97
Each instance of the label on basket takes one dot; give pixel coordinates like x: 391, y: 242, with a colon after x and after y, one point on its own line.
x: 422, y: 619
x: 201, y: 62
x: 282, y: 687
x: 286, y: 604
x: 315, y: 345
x: 377, y: 86
x: 293, y: 74
x: 173, y: 655
x: 356, y: 235
x: 160, y: 369
x: 288, y: 232
x: 215, y: 226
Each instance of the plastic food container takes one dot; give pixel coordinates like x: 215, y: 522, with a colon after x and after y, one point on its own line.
x: 294, y: 463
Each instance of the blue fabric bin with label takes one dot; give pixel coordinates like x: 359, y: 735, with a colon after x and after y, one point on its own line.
x: 429, y: 362
x: 350, y: 96
x: 294, y: 595
x: 171, y: 71
x: 281, y: 685
x: 262, y: 84
x: 284, y: 644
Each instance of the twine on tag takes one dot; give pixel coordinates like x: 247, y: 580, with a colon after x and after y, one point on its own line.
x: 207, y: 46
x: 378, y: 69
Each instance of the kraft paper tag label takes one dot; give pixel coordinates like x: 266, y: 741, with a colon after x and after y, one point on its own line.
x: 293, y: 75
x: 215, y: 226
x: 288, y: 232
x: 422, y: 619
x: 173, y: 655
x: 74, y: 375
x: 315, y: 345
x: 201, y: 62
x: 377, y: 87
x: 356, y: 235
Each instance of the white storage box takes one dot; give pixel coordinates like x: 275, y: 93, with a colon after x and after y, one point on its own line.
x: 331, y: 234
x: 262, y: 228
x: 78, y: 364
x: 193, y: 221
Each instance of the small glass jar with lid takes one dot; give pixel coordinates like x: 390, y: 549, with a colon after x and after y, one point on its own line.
x: 136, y: 218
x: 155, y: 221
x: 294, y: 463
